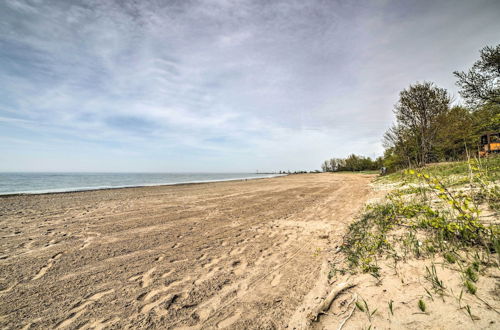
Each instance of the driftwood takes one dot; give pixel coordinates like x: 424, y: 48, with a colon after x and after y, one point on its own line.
x: 325, y: 305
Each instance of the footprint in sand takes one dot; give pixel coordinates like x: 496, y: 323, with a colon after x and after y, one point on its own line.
x: 276, y: 279
x: 88, y: 240
x: 167, y: 273
x: 48, y: 266
x: 167, y: 301
x: 238, y: 250
x: 156, y: 299
x: 239, y: 267
x: 212, y: 304
x: 145, y: 279
x: 51, y: 243
x: 206, y: 276
x: 211, y: 263
x: 80, y: 308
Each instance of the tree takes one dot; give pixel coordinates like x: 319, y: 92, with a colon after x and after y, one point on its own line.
x: 351, y: 163
x: 486, y: 119
x: 456, y: 132
x: 417, y: 113
x: 481, y: 84
x: 333, y: 165
x: 325, y: 167
x: 401, y: 147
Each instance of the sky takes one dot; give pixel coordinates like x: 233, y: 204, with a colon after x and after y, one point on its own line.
x: 219, y: 85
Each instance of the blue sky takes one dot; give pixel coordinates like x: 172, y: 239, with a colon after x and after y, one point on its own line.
x: 219, y: 85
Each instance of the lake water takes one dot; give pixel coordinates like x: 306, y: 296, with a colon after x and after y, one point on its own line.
x: 31, y: 183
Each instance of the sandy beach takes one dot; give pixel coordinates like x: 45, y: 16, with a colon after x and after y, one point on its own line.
x: 243, y: 254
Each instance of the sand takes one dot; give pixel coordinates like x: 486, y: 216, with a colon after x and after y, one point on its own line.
x: 242, y: 254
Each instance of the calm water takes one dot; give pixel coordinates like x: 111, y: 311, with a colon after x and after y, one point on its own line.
x: 12, y: 183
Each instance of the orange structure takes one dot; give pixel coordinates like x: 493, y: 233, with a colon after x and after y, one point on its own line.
x: 490, y: 143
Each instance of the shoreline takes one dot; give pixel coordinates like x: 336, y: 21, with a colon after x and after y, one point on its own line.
x: 86, y: 189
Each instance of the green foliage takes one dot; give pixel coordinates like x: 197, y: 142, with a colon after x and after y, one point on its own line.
x: 363, y: 307
x: 421, y: 305
x: 464, y: 223
x: 469, y: 312
x: 481, y: 83
x: 471, y: 274
x: 352, y: 163
x: 428, y: 130
x: 470, y: 287
x: 367, y: 237
x: 452, y: 174
x: 436, y: 220
x: 418, y: 115
x: 437, y: 284
x: 486, y: 119
x: 456, y: 131
x: 450, y: 257
x: 360, y: 306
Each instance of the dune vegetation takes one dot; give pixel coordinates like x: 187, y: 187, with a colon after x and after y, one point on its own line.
x: 434, y: 241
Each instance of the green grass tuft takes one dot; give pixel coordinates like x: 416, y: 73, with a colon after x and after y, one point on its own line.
x: 471, y: 287
x: 421, y: 305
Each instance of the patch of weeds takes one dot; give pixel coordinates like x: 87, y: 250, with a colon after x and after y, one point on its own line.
x: 471, y: 274
x: 476, y: 263
x: 334, y: 270
x: 470, y: 287
x: 429, y: 215
x: 391, y: 307
x: 365, y: 309
x: 453, y: 221
x: 450, y: 257
x: 417, y: 190
x: 433, y: 278
x: 430, y: 248
x: 367, y: 238
x: 495, y: 244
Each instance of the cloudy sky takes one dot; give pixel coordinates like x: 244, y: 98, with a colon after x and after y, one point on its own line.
x: 218, y: 85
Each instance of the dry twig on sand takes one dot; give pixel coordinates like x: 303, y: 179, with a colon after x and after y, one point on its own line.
x: 354, y: 298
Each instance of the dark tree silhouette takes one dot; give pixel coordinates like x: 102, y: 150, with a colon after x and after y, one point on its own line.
x: 481, y: 84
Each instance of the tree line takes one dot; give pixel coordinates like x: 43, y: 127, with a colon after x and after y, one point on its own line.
x: 351, y: 163
x: 429, y: 128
